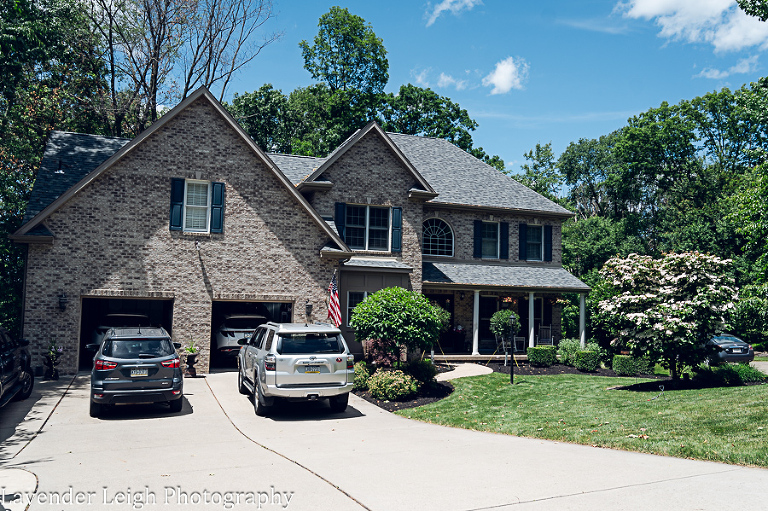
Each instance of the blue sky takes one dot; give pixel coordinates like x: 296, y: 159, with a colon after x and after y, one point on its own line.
x: 537, y: 72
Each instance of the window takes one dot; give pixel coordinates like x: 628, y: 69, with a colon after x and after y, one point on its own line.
x: 197, y: 206
x: 354, y: 298
x: 438, y: 238
x: 490, y: 240
x: 197, y: 200
x: 367, y: 227
x: 534, y: 242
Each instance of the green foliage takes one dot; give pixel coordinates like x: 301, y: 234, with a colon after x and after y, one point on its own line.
x: 542, y: 356
x: 757, y: 8
x: 750, y: 316
x: 424, y: 371
x: 587, y: 360
x: 505, y: 323
x: 566, y: 351
x: 727, y: 375
x: 627, y: 365
x: 362, y: 375
x: 542, y: 174
x: 391, y: 385
x: 404, y: 318
x: 668, y: 308
x: 346, y: 54
x: 264, y: 115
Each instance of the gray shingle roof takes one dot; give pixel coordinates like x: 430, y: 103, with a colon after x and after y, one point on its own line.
x: 526, y: 277
x: 460, y: 178
x: 68, y: 158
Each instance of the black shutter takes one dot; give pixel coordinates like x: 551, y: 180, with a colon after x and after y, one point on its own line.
x: 397, y: 229
x: 523, y: 242
x: 478, y: 239
x: 504, y: 240
x: 177, y: 203
x: 217, y: 207
x: 340, y: 218
x: 547, y: 242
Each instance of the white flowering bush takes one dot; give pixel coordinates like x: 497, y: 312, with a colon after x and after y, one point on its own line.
x: 668, y: 308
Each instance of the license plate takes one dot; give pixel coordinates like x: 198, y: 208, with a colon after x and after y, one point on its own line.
x: 139, y: 372
x: 311, y: 369
x: 736, y: 350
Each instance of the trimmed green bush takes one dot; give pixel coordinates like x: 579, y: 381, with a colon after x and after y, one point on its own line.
x: 424, y: 371
x: 749, y: 374
x: 567, y: 349
x: 542, y: 356
x: 391, y: 385
x: 587, y: 360
x: 362, y: 375
x: 728, y: 375
x: 627, y: 365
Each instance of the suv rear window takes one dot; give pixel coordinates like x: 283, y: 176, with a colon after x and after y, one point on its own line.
x: 300, y: 344
x: 138, y: 348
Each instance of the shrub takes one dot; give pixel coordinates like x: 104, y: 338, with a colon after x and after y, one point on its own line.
x: 381, y: 353
x: 424, y: 371
x: 362, y: 375
x: 749, y: 374
x: 391, y: 385
x: 542, y: 356
x: 626, y: 365
x: 587, y: 360
x: 567, y: 351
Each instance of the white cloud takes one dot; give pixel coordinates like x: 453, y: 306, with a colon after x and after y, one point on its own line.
x: 743, y: 66
x: 718, y: 22
x: 452, y: 6
x: 509, y: 74
x: 421, y: 77
x: 449, y: 81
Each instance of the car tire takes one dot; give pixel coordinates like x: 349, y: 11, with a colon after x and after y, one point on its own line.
x: 96, y: 409
x: 259, y: 407
x: 241, y: 383
x: 339, y: 403
x: 176, y: 405
x: 27, y: 380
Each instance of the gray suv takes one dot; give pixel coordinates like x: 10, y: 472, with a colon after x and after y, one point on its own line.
x: 295, y: 361
x: 136, y: 365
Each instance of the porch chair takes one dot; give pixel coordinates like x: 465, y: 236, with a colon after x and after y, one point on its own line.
x: 545, y: 335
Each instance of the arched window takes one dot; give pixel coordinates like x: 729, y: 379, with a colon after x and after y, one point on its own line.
x: 438, y: 238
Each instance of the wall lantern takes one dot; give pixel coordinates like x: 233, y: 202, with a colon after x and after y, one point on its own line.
x: 63, y: 301
x: 308, y: 310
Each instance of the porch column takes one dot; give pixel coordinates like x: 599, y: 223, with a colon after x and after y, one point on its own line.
x: 531, y: 338
x: 582, y: 321
x: 476, y: 325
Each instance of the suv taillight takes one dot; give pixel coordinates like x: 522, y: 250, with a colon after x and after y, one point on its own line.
x: 104, y: 365
x: 269, y: 363
x: 173, y: 363
x: 351, y: 362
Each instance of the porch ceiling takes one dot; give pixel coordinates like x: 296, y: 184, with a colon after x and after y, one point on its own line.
x: 523, y: 278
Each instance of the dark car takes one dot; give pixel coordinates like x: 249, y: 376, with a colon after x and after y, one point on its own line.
x: 16, y: 376
x: 136, y: 365
x: 731, y: 349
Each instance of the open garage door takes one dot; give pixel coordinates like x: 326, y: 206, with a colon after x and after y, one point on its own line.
x: 232, y: 320
x: 100, y: 313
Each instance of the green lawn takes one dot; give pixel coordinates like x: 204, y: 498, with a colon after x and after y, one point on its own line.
x: 720, y: 424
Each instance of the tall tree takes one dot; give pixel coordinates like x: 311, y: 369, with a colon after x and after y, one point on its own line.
x: 541, y: 174
x: 264, y: 114
x: 757, y: 8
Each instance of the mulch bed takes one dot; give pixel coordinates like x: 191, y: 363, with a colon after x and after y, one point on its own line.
x: 429, y: 395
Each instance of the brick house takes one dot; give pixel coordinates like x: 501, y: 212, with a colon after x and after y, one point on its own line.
x: 191, y: 221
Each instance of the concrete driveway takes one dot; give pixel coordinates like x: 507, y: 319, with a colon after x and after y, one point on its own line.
x: 304, y: 457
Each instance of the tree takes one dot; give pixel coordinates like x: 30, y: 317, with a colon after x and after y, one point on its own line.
x: 542, y: 174
x: 668, y: 308
x: 346, y: 54
x: 264, y: 114
x: 505, y: 324
x: 402, y: 318
x: 757, y: 8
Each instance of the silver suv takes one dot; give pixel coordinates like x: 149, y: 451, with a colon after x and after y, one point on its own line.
x: 295, y: 361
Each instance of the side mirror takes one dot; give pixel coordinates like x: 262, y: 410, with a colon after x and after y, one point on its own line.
x: 92, y: 346
x: 177, y: 345
x: 243, y: 341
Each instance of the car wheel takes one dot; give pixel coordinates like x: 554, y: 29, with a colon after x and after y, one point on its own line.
x: 241, y: 384
x: 339, y: 403
x: 259, y: 407
x: 96, y: 409
x: 176, y: 405
x: 27, y: 380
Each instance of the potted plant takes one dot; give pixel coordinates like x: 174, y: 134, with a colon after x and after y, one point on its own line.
x: 191, y: 350
x: 51, y: 360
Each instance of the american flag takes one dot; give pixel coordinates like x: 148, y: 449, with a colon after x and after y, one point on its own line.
x: 334, y: 311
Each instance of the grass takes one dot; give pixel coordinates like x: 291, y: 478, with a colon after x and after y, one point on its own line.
x: 761, y: 359
x: 728, y: 424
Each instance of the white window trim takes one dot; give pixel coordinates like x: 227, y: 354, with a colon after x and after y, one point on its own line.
x: 207, y: 207
x: 498, y: 241
x: 453, y: 238
x: 540, y: 257
x: 349, y: 310
x: 368, y: 227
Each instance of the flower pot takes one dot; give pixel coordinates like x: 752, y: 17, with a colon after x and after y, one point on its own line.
x: 51, y: 373
x: 191, y: 372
